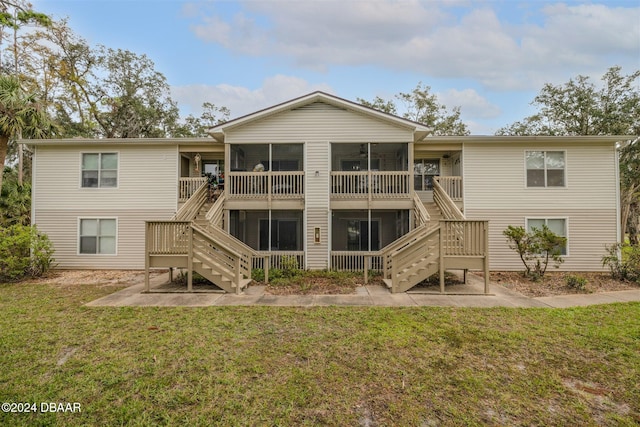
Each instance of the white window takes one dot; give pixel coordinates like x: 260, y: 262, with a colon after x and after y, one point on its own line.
x: 557, y: 225
x: 99, y: 170
x: 97, y: 236
x: 545, y: 168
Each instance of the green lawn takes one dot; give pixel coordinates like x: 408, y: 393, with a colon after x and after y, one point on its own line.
x: 315, y: 366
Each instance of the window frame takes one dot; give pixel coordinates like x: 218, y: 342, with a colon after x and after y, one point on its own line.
x: 99, y: 186
x: 546, y: 178
x: 546, y: 220
x: 97, y: 253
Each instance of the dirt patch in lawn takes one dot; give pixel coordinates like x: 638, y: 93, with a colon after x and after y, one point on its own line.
x: 102, y: 278
x: 555, y: 283
x: 318, y: 285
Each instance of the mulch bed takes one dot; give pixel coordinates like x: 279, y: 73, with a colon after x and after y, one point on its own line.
x: 555, y: 283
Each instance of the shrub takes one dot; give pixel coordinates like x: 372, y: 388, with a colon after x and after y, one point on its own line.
x: 576, y: 282
x: 623, y: 261
x: 289, y: 266
x: 257, y: 274
x: 536, y: 248
x: 24, y: 252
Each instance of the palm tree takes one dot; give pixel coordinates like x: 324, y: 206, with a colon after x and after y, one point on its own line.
x: 20, y: 114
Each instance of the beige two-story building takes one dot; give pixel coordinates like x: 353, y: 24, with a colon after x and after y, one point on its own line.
x: 322, y: 183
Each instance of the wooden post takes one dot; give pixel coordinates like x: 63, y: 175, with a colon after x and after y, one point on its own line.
x: 238, y: 275
x: 190, y: 261
x: 394, y: 279
x: 265, y: 264
x: 486, y: 257
x: 367, y: 260
x: 147, y: 286
x: 441, y: 255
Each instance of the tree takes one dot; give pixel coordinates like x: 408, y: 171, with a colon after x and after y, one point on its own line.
x: 100, y: 92
x: 198, y: 126
x: 579, y: 107
x: 536, y: 248
x: 20, y: 113
x: 422, y: 106
x: 15, y: 15
x: 15, y: 200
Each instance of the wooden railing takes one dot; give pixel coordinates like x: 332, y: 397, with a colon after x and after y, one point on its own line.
x: 452, y: 185
x: 464, y: 238
x: 215, y: 215
x: 356, y: 260
x: 189, y: 210
x: 449, y: 209
x: 420, y: 214
x: 374, y: 184
x: 406, y: 240
x: 419, y: 255
x: 279, y: 259
x: 188, y: 186
x: 232, y: 265
x: 167, y: 237
x: 258, y: 185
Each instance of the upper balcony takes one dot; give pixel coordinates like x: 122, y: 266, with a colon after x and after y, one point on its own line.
x: 370, y: 172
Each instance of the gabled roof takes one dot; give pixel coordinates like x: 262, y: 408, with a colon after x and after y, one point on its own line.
x: 420, y: 130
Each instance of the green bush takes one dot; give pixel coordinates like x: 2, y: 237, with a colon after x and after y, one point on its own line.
x: 623, y: 261
x: 23, y: 252
x: 257, y: 274
x: 536, y: 248
x: 576, y: 282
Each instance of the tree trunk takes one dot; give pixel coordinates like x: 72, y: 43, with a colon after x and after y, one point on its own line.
x: 4, y: 145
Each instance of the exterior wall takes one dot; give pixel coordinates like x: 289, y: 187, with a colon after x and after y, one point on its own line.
x: 62, y: 228
x: 495, y: 189
x: 317, y: 125
x: 147, y: 189
x: 318, y: 121
x: 317, y: 205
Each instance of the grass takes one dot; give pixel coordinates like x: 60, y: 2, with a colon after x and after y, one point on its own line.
x: 237, y: 366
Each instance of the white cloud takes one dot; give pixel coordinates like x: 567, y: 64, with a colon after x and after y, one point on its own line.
x: 427, y: 37
x: 471, y: 104
x: 241, y: 100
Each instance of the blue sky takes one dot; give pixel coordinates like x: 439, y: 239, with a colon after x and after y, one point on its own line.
x: 489, y: 57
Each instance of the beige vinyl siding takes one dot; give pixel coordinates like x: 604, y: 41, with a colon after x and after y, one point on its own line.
x: 317, y: 204
x: 318, y: 125
x: 147, y: 178
x: 495, y: 189
x: 588, y: 231
x: 495, y: 177
x: 318, y: 121
x: 61, y: 225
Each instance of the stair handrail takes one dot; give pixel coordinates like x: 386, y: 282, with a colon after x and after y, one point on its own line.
x: 237, y: 263
x: 215, y: 213
x: 414, y: 254
x: 448, y: 207
x: 397, y: 244
x: 191, y: 207
x: 420, y: 211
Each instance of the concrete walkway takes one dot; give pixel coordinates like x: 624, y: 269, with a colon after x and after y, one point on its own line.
x: 365, y: 296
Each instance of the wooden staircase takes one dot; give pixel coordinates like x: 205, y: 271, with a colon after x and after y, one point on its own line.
x: 193, y: 239
x: 442, y: 238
